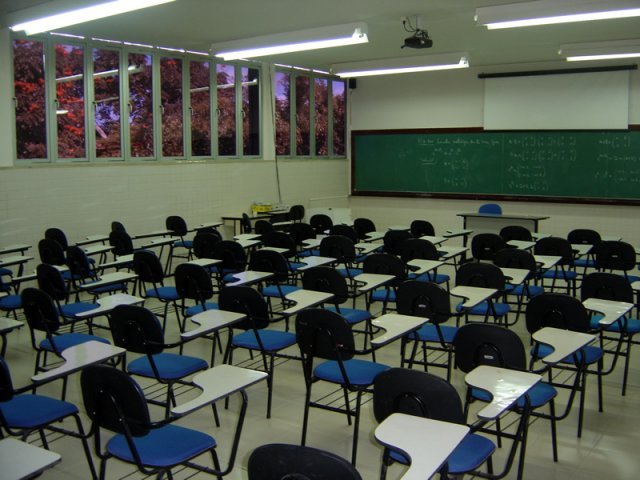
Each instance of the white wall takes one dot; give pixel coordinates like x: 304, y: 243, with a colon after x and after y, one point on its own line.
x: 455, y: 99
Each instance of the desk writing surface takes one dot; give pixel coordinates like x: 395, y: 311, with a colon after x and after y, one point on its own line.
x: 599, y: 164
x: 108, y: 302
x: 20, y: 460
x: 212, y: 320
x: 395, y: 326
x: 16, y: 247
x: 473, y: 295
x: 563, y: 342
x: 611, y: 309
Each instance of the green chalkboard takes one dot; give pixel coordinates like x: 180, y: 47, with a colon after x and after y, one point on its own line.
x: 560, y: 165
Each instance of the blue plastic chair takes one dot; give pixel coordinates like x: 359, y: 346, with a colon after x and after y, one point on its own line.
x: 491, y: 208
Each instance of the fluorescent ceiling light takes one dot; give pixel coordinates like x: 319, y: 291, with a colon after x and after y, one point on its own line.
x: 577, y: 52
x: 82, y: 15
x: 389, y: 66
x: 549, y: 12
x: 312, y: 39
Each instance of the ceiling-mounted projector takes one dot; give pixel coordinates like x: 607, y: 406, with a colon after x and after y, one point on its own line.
x: 420, y: 39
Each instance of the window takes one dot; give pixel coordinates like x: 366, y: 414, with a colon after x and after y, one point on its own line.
x: 30, y: 99
x: 140, y: 105
x: 200, y: 109
x: 70, y: 100
x: 106, y: 94
x: 283, y: 113
x: 226, y: 84
x: 172, y: 117
x: 303, y: 93
x: 339, y: 105
x: 321, y: 118
x: 250, y: 111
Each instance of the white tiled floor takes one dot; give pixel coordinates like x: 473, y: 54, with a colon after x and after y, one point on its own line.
x: 607, y: 449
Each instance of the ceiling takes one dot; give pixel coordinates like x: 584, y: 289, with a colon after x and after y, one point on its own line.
x: 196, y: 24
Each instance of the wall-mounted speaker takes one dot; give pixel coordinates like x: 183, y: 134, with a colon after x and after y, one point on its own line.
x: 352, y: 83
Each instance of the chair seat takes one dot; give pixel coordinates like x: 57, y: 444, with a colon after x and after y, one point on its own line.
x: 584, y: 263
x: 438, y: 278
x: 163, y: 447
x: 116, y: 287
x: 170, y: 366
x: 429, y: 333
x: 11, y: 302
x: 531, y: 290
x: 72, y: 309
x: 631, y: 326
x: 294, y: 266
x: 383, y: 295
x: 69, y: 340
x: 540, y: 394
x: 352, y: 315
x: 472, y: 452
x: 593, y: 354
x: 349, y: 272
x: 359, y: 372
x: 184, y: 244
x: 309, y: 253
x: 501, y: 309
x: 163, y: 293
x: 273, y: 291
x: 191, y: 311
x: 560, y: 274
x: 30, y: 411
x: 272, y: 340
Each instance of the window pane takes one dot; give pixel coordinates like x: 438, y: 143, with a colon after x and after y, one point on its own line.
x: 283, y: 113
x: 226, y: 77
x: 172, y: 118
x: 200, y: 108
x: 140, y: 105
x: 106, y: 85
x: 321, y: 104
x: 70, y: 100
x: 250, y: 111
x: 29, y: 85
x: 302, y: 115
x: 339, y: 117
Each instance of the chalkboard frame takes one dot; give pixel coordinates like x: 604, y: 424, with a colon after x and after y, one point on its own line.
x: 471, y: 196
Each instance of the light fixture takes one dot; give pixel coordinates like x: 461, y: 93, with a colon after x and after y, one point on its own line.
x: 81, y: 15
x: 389, y: 66
x: 549, y: 12
x: 618, y: 49
x: 312, y: 39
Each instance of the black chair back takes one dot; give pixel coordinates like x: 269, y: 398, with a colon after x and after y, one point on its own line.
x: 346, y: 231
x: 50, y: 281
x: 136, y: 329
x: 606, y: 286
x: 6, y: 384
x: 51, y: 252
x: 39, y: 310
x: 232, y: 255
x: 423, y: 299
x: 262, y: 227
x: 326, y: 279
x: 555, y: 246
x: 362, y: 226
x: 121, y: 243
x: 117, y: 226
x: 147, y: 266
x: 324, y: 334
x: 294, y: 462
x: 193, y: 282
x: 301, y: 231
x: 516, y: 258
x: 78, y: 263
x: 556, y: 310
x: 321, y: 222
x: 484, y: 275
x: 585, y: 236
x: 394, y: 239
x: 246, y: 223
x: 386, y: 264
x: 515, y: 232
x: 204, y: 242
x: 57, y: 235
x: 484, y: 246
x: 419, y: 228
x: 270, y: 261
x: 615, y: 255
x: 339, y: 247
x: 484, y: 344
x: 296, y: 213
x: 245, y: 300
x: 416, y: 248
x: 280, y: 240
x: 177, y: 225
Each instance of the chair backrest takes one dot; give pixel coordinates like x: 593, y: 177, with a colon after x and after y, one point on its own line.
x: 412, y: 392
x: 270, y: 261
x: 555, y: 246
x: 320, y: 222
x: 301, y: 231
x: 423, y: 299
x: 51, y: 252
x: 615, y: 255
x: 117, y: 226
x: 515, y: 232
x: 147, y: 266
x: 386, y: 264
x: 232, y: 255
x: 416, y: 248
x: 136, y: 329
x: 278, y: 461
x: 393, y: 240
x: 606, y: 286
x: 420, y: 228
x: 326, y: 279
x: 296, y: 213
x: 484, y: 344
x: 78, y: 262
x: 39, y: 310
x: 556, y: 310
x: 113, y: 400
x: 204, y: 242
x: 121, y: 242
x: 584, y: 236
x: 484, y: 275
x: 57, y: 235
x: 193, y: 282
x: 324, y: 334
x: 6, y: 385
x: 346, y: 231
x: 280, y: 240
x: 246, y: 223
x: 484, y: 246
x: 245, y: 300
x: 492, y: 208
x: 339, y: 247
x: 262, y: 227
x: 362, y: 226
x: 516, y: 258
x: 177, y: 225
x: 50, y: 281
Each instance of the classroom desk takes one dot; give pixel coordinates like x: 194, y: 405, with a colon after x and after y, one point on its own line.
x: 237, y: 220
x: 460, y: 232
x: 89, y: 239
x: 539, y: 235
x: 21, y: 460
x: 155, y: 233
x: 395, y: 326
x: 246, y: 243
x: 365, y: 248
x: 15, y: 260
x: 610, y: 309
x: 434, y: 239
x: 521, y: 244
x: 424, y: 266
x: 107, y: 303
x: 315, y: 261
x: 249, y: 277
x: 204, y: 226
x: 426, y: 442
x: 473, y: 295
x: 16, y: 247
x: 78, y: 357
x: 305, y: 299
x: 109, y: 279
x: 97, y: 249
x: 204, y: 262
x: 211, y: 321
x: 452, y: 253
x: 402, y: 228
x: 506, y: 387
x: 279, y: 250
x: 503, y: 219
x: 120, y: 261
x: 563, y: 342
x: 246, y: 236
x: 373, y: 236
x: 516, y: 276
x: 217, y: 383
x: 7, y: 325
x: 311, y: 243
x: 372, y: 281
x: 581, y: 249
x: 546, y: 262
